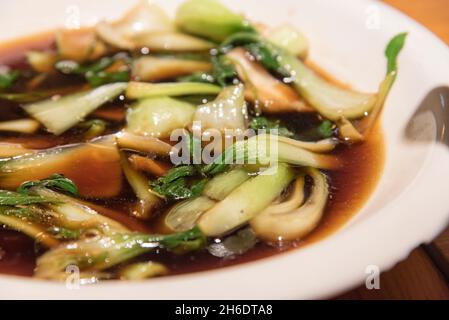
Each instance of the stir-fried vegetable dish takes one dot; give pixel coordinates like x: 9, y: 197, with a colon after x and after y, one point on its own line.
x: 146, y: 145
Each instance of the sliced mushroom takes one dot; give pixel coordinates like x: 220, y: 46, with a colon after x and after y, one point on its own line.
x: 150, y: 166
x: 79, y: 45
x: 272, y: 95
x: 126, y: 140
x: 322, y: 146
x: 8, y: 150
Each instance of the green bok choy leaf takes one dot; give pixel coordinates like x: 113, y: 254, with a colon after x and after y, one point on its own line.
x: 24, y: 221
x: 7, y: 79
x: 209, y: 19
x: 55, y: 181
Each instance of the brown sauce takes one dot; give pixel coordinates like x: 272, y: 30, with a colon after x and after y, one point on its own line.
x: 351, y: 186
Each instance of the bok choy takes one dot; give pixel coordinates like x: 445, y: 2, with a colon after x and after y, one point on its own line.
x: 144, y: 144
x: 104, y: 252
x: 22, y: 220
x: 59, y: 115
x: 147, y: 201
x: 246, y: 201
x: 327, y: 98
x: 45, y: 215
x: 68, y: 213
x: 184, y: 215
x: 9, y: 150
x: 268, y: 93
x: 143, y: 18
x: 8, y: 78
x: 141, y: 90
x: 392, y: 52
x: 21, y: 125
x: 227, y: 111
x: 171, y: 42
x: 159, y: 116
x: 212, y: 131
x: 265, y: 150
x: 143, y: 270
x: 284, y: 223
x: 290, y: 39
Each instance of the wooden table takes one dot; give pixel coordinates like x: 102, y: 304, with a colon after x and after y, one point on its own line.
x: 425, y: 274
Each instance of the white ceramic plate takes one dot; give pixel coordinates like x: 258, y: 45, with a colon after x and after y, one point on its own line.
x: 410, y: 205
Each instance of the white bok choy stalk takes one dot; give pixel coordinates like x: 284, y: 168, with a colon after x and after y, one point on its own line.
x: 158, y: 117
x: 265, y: 149
x: 59, y: 115
x: 294, y: 220
x: 246, y: 201
x: 142, y: 90
x: 95, y: 254
x: 330, y: 100
x: 148, y: 26
x: 24, y: 221
x: 144, y: 144
x: 184, y: 215
x: 227, y: 112
x: 290, y: 39
x: 143, y: 270
x: 294, y: 200
x: 147, y: 201
x: 163, y: 68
